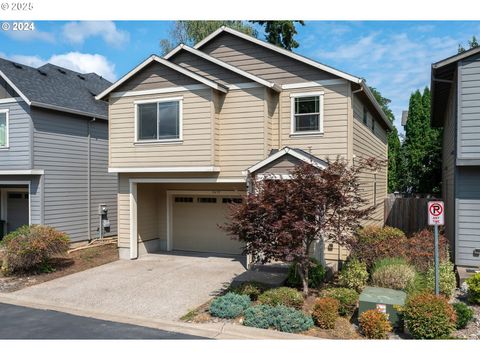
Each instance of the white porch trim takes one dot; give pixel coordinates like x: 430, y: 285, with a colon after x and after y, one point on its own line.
x: 22, y: 172
x: 180, y: 169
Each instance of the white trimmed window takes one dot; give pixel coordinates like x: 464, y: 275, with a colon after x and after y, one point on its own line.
x: 158, y: 120
x: 4, y: 128
x: 307, y: 113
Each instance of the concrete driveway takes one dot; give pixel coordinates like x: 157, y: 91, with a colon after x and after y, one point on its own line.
x: 156, y: 286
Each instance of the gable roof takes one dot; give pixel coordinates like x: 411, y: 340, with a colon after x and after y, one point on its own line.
x: 165, y: 62
x: 442, y: 76
x: 57, y: 88
x: 297, y: 153
x: 305, y: 60
x: 220, y: 63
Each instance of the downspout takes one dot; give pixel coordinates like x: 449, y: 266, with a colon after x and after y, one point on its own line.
x: 89, y: 181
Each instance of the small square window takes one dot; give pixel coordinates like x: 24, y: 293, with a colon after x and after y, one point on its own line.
x: 179, y: 199
x: 207, y: 200
x: 365, y: 115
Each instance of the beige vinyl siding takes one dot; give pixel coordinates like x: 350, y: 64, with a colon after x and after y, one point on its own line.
x: 207, y: 69
x: 370, y: 144
x: 152, y: 206
x: 261, y: 61
x: 242, y: 131
x: 155, y: 76
x: 195, y: 150
x: 448, y: 165
x: 333, y: 142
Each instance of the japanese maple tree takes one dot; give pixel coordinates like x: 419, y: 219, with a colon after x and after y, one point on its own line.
x: 281, y: 219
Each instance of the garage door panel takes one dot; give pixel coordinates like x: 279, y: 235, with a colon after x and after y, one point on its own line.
x: 195, y: 225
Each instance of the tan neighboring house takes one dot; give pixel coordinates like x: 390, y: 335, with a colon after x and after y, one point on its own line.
x: 186, y: 129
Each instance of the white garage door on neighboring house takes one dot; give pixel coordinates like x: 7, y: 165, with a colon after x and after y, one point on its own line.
x: 195, y: 220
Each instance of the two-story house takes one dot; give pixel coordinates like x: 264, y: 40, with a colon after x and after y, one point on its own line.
x: 54, y: 151
x: 186, y: 129
x: 455, y: 84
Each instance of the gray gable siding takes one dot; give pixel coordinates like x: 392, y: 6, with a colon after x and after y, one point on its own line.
x: 61, y: 149
x: 18, y: 155
x: 261, y: 61
x: 207, y: 69
x: 468, y: 145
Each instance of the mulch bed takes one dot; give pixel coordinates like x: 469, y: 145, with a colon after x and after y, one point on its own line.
x: 74, y: 262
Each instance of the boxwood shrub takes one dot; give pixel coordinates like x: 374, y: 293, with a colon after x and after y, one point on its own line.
x: 464, y: 314
x: 346, y: 297
x: 282, y: 296
x: 229, y: 306
x: 473, y: 283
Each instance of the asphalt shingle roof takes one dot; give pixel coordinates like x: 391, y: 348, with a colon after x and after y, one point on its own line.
x: 59, y: 87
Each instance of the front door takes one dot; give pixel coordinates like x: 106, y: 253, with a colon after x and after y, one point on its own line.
x: 17, y: 209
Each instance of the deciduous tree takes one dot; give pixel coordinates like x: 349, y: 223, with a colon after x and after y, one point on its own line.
x: 282, y: 219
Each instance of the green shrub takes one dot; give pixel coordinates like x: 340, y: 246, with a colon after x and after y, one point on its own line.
x: 374, y: 324
x: 387, y: 262
x: 32, y: 247
x: 393, y: 274
x: 325, y: 312
x: 280, y: 317
x: 316, y: 275
x: 375, y: 242
x: 282, y: 296
x: 229, y: 306
x: 251, y: 288
x: 258, y: 316
x: 447, y: 278
x: 473, y: 283
x: 347, y: 299
x: 464, y: 314
x: 428, y: 316
x: 354, y: 275
x: 420, y: 249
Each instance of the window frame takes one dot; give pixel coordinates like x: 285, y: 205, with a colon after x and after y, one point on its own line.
x: 293, y: 96
x: 178, y: 99
x: 7, y: 129
x: 365, y: 116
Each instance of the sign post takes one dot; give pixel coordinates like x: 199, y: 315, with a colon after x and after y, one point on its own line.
x: 436, y: 216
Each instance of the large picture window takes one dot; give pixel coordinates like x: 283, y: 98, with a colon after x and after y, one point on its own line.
x: 307, y: 113
x: 159, y: 120
x: 3, y: 129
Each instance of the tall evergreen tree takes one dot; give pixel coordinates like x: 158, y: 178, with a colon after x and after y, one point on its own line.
x: 421, y: 150
x: 281, y: 33
x: 393, y: 143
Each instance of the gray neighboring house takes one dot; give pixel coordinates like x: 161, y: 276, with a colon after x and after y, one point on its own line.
x: 54, y: 151
x: 455, y: 84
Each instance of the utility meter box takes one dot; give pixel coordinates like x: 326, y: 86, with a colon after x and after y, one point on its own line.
x: 102, y: 209
x: 383, y: 300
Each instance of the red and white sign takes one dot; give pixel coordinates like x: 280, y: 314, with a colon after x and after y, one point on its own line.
x: 436, y: 213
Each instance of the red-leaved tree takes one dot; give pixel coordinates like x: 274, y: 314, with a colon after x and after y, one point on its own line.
x: 281, y: 219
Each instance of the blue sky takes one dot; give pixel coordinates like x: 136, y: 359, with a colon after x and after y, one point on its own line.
x: 393, y: 56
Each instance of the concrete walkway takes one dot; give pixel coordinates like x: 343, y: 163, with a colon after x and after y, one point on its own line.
x: 158, y: 286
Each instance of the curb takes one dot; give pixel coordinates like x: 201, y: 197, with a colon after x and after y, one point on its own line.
x: 209, y: 330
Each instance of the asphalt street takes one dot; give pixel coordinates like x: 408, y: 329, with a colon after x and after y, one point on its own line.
x: 18, y: 322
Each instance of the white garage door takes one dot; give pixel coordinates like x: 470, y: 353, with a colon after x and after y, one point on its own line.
x: 195, y: 224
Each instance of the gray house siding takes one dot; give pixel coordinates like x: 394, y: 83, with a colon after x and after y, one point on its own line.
x: 467, y: 216
x: 468, y: 144
x: 18, y: 155
x: 61, y: 149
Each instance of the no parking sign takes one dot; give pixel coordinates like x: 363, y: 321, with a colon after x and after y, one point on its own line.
x: 436, y: 213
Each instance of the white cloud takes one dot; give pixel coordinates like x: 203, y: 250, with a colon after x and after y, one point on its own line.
x: 35, y: 35
x: 81, y: 62
x: 396, y: 64
x: 78, y: 32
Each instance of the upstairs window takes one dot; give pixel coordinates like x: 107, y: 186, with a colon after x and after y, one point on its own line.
x: 3, y: 129
x: 365, y: 115
x: 307, y: 113
x: 159, y: 120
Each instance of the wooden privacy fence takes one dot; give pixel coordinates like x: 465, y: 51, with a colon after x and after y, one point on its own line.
x: 407, y: 213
